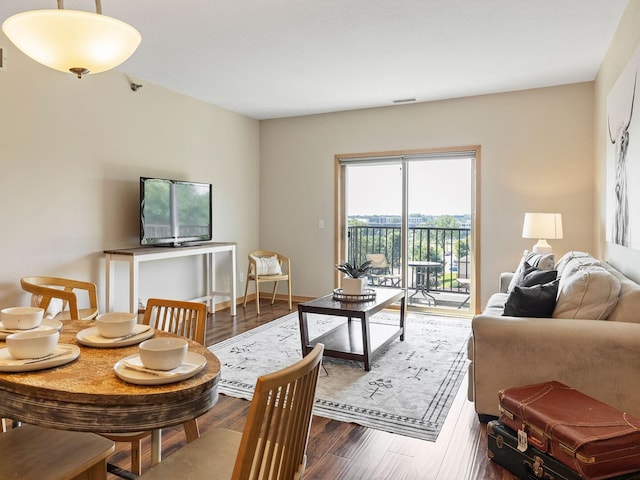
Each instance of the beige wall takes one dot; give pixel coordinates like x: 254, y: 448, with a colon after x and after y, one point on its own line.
x: 624, y: 43
x: 537, y: 155
x: 71, y: 153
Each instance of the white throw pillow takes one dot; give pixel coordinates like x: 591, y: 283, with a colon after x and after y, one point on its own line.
x: 268, y: 265
x: 589, y: 293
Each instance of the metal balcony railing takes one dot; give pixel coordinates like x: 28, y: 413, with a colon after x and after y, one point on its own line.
x: 447, y: 246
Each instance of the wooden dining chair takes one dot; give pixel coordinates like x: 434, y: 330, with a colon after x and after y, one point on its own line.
x: 187, y: 319
x: 31, y: 452
x: 273, y: 444
x: 48, y: 288
x: 267, y: 266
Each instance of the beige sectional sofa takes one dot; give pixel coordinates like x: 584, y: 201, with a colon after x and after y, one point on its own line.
x: 590, y: 342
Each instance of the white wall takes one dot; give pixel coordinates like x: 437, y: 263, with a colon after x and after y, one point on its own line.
x: 537, y: 155
x: 624, y: 43
x: 71, y: 153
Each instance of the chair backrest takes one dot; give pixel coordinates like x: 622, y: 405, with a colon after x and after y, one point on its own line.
x: 378, y: 260
x: 464, y: 267
x: 187, y: 319
x: 285, y: 263
x: 48, y: 288
x: 274, y: 440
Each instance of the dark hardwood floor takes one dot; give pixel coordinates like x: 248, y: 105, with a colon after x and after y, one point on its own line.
x: 346, y: 451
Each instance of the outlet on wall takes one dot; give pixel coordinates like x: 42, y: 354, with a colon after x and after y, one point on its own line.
x: 241, y: 277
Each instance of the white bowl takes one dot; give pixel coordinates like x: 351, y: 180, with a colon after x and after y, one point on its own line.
x: 34, y: 344
x: 163, y: 353
x: 116, y: 324
x: 21, y: 318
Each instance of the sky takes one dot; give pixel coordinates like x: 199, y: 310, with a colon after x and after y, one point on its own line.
x: 436, y: 187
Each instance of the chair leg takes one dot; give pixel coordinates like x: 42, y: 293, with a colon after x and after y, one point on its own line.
x: 136, y: 456
x: 289, y: 288
x: 246, y: 287
x: 191, y: 430
x: 257, y: 296
x: 273, y: 295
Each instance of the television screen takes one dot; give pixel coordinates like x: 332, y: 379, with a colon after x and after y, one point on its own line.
x: 174, y: 212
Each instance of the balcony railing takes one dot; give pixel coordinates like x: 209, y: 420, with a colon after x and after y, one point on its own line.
x: 447, y: 246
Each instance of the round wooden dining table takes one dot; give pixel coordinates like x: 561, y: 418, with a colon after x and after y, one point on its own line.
x: 86, y: 395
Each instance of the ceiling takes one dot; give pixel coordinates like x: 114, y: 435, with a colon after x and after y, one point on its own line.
x: 280, y: 58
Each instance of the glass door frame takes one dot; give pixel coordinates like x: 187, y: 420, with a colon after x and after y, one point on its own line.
x: 340, y: 213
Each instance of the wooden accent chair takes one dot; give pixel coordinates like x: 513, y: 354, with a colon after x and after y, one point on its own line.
x: 273, y: 444
x: 30, y: 453
x: 267, y: 266
x: 48, y: 288
x: 188, y: 319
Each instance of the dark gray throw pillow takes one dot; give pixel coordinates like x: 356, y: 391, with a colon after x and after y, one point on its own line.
x: 537, y: 301
x: 538, y: 277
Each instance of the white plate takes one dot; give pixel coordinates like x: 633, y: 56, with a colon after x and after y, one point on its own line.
x: 46, y: 324
x: 193, y: 363
x: 92, y: 338
x: 64, y: 353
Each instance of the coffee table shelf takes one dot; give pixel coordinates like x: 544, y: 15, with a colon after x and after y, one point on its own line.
x: 357, y: 338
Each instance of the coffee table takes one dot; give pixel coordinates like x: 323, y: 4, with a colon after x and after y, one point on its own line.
x: 356, y: 340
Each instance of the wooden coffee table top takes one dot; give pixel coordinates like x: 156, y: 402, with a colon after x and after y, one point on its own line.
x: 327, y: 304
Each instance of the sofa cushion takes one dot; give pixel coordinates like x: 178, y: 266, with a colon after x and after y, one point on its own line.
x: 568, y: 257
x: 628, y: 307
x: 537, y: 301
x: 578, y: 263
x: 537, y: 260
x: 590, y: 292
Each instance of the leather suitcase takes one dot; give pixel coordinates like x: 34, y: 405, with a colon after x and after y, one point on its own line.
x: 594, y: 439
x: 532, y: 464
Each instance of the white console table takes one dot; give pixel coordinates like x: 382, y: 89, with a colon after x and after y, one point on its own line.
x: 134, y: 256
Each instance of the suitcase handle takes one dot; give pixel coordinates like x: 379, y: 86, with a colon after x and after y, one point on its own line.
x: 540, y: 445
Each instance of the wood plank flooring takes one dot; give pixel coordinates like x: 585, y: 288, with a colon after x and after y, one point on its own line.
x: 346, y: 451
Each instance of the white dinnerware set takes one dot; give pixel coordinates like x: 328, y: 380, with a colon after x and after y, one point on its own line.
x: 33, y: 345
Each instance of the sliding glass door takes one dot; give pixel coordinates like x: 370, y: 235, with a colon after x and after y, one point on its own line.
x: 413, y: 215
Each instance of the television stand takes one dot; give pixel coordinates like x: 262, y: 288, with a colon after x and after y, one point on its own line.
x: 136, y: 255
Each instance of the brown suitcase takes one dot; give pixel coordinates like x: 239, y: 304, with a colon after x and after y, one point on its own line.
x: 596, y: 440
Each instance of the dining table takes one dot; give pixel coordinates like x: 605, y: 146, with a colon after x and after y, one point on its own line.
x: 86, y: 395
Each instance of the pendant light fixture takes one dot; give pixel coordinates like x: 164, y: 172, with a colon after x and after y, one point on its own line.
x: 71, y: 40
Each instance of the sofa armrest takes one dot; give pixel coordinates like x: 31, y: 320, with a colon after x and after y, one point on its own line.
x: 597, y: 357
x: 505, y: 280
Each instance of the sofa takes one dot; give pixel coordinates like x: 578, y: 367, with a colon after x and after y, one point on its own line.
x: 590, y: 340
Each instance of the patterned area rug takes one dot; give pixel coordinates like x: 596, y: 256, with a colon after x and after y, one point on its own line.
x: 408, y: 391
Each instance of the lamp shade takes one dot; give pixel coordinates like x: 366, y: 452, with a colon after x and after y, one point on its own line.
x: 72, y: 40
x: 542, y: 225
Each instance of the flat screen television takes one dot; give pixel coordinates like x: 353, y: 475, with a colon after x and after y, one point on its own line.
x: 174, y: 212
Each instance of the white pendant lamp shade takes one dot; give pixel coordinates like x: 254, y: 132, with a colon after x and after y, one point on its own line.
x: 72, y: 40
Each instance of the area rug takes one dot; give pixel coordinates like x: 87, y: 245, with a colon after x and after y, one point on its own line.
x: 408, y: 391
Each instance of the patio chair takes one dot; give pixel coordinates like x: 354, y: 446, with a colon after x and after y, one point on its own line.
x: 380, y: 273
x: 188, y: 319
x: 273, y: 444
x: 463, y: 279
